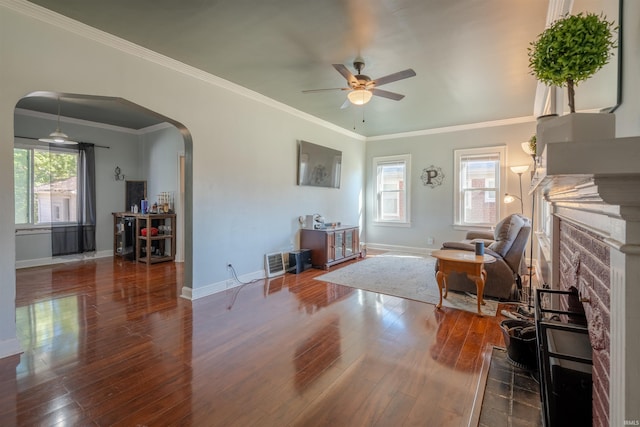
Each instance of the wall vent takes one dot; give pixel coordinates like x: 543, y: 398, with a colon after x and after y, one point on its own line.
x: 274, y: 264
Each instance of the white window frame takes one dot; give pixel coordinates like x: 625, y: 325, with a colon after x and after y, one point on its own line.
x: 379, y: 161
x: 31, y: 145
x: 458, y: 199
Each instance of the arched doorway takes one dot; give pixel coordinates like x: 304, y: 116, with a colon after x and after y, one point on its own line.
x: 99, y: 120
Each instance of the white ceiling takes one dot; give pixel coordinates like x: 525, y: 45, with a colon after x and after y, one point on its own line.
x: 470, y: 56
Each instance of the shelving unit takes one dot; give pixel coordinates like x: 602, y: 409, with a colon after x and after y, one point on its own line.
x: 147, y: 249
x: 159, y: 248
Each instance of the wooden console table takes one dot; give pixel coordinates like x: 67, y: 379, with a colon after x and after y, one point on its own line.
x: 331, y: 246
x: 459, y: 261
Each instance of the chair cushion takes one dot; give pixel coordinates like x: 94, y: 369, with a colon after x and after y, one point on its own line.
x: 505, y: 233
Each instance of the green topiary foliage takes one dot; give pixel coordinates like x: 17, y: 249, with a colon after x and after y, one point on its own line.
x: 571, y: 50
x: 532, y: 144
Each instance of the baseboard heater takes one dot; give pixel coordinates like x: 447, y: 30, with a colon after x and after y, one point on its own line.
x: 274, y: 264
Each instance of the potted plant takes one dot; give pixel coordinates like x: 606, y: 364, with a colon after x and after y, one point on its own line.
x: 529, y: 146
x: 571, y: 50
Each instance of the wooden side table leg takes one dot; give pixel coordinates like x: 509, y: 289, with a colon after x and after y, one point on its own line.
x: 483, y: 273
x: 441, y: 283
x: 480, y: 281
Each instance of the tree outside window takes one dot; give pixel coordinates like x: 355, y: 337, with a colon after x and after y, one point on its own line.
x: 45, y: 185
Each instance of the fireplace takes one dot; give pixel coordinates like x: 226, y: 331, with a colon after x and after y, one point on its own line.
x: 584, y: 265
x: 590, y: 240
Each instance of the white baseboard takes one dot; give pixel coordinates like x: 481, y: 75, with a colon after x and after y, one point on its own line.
x: 10, y: 347
x: 214, y: 288
x: 186, y: 293
x: 63, y: 259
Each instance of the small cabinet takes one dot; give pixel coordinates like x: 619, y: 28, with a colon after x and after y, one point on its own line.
x: 330, y: 246
x: 124, y: 235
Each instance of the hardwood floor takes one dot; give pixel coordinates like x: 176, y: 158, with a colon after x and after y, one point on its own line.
x: 110, y: 342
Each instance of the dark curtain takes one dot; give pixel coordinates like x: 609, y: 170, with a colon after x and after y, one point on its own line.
x: 80, y: 237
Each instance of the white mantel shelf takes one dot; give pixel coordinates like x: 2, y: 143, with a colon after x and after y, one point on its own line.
x: 570, y: 164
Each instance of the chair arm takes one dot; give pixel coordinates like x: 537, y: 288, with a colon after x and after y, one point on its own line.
x: 459, y: 245
x: 483, y: 235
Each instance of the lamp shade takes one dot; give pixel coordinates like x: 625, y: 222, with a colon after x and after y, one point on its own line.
x: 359, y: 96
x: 57, y: 136
x: 519, y: 169
x: 526, y: 147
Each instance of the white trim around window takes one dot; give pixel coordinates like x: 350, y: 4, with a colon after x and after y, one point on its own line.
x: 392, y: 190
x: 479, y: 181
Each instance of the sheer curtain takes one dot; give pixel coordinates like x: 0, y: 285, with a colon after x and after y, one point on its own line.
x: 80, y: 236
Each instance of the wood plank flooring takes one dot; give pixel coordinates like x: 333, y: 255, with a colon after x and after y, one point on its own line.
x: 110, y: 342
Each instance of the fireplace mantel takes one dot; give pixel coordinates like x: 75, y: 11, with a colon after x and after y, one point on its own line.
x: 595, y: 186
x: 566, y: 165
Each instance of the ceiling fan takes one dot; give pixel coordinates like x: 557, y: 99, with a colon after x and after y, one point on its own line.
x: 362, y: 88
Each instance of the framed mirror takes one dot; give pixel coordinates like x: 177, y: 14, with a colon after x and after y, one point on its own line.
x: 603, y: 91
x: 134, y: 193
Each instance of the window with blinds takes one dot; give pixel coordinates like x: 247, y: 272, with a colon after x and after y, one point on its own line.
x: 392, y: 189
x: 479, y: 177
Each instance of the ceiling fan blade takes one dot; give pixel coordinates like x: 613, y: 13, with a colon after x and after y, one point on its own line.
x: 325, y: 90
x: 387, y: 94
x: 346, y: 74
x: 395, y: 77
x: 345, y: 104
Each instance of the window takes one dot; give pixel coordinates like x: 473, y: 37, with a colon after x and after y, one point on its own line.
x: 392, y: 189
x: 478, y: 178
x: 45, y: 184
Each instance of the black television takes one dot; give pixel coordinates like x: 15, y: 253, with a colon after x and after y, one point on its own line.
x: 318, y: 166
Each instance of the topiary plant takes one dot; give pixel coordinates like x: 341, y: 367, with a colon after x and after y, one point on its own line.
x: 571, y: 50
x: 532, y: 144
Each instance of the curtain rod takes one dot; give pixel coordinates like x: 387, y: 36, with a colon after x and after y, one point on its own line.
x: 36, y: 139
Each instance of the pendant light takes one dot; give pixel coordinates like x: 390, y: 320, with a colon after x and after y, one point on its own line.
x: 57, y: 136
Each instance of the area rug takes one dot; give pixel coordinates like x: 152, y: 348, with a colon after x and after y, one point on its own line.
x: 403, y: 275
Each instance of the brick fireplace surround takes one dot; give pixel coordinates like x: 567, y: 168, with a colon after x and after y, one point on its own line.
x: 585, y: 266
x: 593, y: 188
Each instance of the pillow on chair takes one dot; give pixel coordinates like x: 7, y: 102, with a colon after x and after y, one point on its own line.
x: 506, y: 233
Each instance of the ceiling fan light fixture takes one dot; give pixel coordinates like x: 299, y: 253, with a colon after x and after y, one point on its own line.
x: 359, y: 96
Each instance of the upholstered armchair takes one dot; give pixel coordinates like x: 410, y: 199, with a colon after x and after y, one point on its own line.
x: 507, y: 244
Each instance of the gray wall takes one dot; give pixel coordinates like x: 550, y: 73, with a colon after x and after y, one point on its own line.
x: 161, y: 149
x: 160, y: 160
x: 432, y: 208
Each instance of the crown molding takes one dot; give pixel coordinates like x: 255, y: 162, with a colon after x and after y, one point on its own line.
x: 456, y: 128
x: 67, y: 24
x: 81, y: 122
